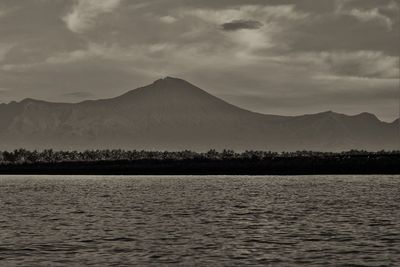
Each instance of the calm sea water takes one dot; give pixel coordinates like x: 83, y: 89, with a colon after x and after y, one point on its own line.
x: 202, y: 221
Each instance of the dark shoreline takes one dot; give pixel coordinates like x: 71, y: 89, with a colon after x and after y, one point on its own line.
x: 351, y: 165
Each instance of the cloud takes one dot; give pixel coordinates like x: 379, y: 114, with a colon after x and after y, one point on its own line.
x: 241, y: 25
x: 168, y: 19
x: 260, y: 13
x: 384, y: 12
x: 371, y: 15
x: 366, y: 4
x: 4, y: 49
x: 72, y: 56
x: 113, y: 52
x: 270, y: 20
x: 356, y: 64
x: 369, y: 64
x: 4, y: 11
x: 84, y: 13
x: 340, y: 32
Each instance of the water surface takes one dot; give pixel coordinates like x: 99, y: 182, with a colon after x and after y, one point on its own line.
x: 202, y: 221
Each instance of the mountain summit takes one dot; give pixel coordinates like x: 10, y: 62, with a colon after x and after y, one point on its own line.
x: 173, y: 114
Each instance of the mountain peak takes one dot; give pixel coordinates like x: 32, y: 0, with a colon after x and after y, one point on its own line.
x: 26, y: 100
x: 169, y: 80
x: 170, y: 85
x: 30, y: 101
x: 170, y: 91
x: 368, y: 116
x: 328, y: 113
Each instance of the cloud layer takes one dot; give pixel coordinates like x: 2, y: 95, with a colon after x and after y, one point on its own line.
x: 84, y: 13
x: 271, y: 56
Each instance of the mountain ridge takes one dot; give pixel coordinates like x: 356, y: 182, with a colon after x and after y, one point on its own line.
x: 27, y: 100
x: 173, y: 114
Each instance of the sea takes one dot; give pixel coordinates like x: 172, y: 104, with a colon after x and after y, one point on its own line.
x: 200, y: 220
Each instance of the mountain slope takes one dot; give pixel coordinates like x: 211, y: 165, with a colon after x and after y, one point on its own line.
x: 172, y: 114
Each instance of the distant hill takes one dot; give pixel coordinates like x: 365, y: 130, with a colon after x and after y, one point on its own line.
x: 172, y: 114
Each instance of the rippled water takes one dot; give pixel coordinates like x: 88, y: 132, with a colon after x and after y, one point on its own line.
x: 202, y: 221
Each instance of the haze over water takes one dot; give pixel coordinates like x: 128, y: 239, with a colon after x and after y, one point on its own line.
x: 203, y: 221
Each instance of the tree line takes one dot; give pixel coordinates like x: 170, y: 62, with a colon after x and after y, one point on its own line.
x: 23, y: 156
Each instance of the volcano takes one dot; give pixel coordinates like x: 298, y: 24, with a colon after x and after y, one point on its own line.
x: 173, y: 114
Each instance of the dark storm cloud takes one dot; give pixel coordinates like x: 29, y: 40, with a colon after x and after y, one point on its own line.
x: 321, y: 52
x: 241, y: 25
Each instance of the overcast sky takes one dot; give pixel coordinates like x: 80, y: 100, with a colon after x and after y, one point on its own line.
x: 271, y: 56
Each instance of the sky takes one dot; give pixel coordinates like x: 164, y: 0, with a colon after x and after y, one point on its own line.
x: 285, y: 57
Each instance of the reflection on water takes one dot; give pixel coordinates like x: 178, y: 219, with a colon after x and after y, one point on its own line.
x: 203, y: 221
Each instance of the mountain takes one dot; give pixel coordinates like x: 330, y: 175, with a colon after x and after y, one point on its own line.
x: 172, y: 114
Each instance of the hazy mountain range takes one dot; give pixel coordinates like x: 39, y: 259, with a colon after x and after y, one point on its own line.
x: 172, y: 114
